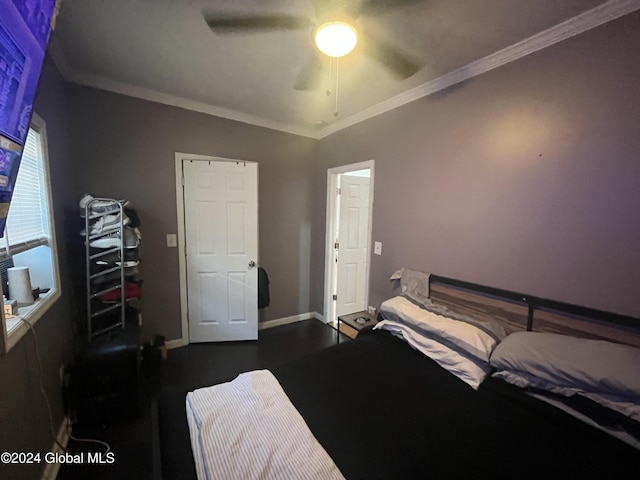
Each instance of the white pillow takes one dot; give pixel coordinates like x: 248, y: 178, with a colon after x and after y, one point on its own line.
x: 470, y: 372
x: 595, y: 366
x: 472, y: 338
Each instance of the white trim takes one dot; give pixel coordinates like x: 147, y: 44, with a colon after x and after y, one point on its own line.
x: 177, y: 343
x: 180, y: 157
x: 588, y: 20
x: 574, y: 26
x: 51, y: 470
x: 329, y: 263
x: 330, y: 235
x: 286, y: 320
x: 11, y: 334
x: 110, y: 85
x: 15, y: 326
x: 60, y: 59
x: 182, y: 264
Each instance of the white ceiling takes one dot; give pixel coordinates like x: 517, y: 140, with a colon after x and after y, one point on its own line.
x: 164, y: 51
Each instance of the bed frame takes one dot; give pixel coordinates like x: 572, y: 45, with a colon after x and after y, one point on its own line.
x: 518, y: 312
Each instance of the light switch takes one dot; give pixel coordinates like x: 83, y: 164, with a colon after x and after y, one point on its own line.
x: 377, y: 248
x: 172, y: 240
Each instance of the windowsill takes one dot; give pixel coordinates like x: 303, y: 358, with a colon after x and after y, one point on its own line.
x: 16, y: 328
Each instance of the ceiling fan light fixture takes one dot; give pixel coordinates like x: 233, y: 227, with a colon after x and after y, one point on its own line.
x: 335, y: 38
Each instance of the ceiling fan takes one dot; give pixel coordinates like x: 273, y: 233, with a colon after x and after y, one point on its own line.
x: 335, y: 32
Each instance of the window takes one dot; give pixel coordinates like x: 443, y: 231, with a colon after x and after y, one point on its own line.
x: 29, y: 239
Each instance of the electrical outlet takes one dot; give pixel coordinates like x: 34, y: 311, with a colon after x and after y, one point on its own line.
x: 377, y: 248
x: 172, y: 240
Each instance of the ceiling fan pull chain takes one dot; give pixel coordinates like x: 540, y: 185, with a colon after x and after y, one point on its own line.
x: 328, y: 91
x: 335, y: 113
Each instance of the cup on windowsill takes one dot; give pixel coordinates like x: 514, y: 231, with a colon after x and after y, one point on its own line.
x: 20, y: 288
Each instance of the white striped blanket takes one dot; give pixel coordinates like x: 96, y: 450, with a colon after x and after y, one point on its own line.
x: 249, y: 429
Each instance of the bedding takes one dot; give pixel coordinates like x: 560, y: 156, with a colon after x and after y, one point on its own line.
x: 618, y: 418
x: 570, y: 362
x: 627, y: 406
x: 381, y: 409
x: 413, y: 282
x: 596, y: 379
x: 460, y: 344
x: 270, y: 438
x: 469, y: 371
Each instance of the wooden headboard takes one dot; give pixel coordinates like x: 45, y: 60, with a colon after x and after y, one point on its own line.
x: 518, y: 312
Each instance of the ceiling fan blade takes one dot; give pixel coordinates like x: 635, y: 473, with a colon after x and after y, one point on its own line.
x: 310, y: 74
x: 389, y: 56
x: 228, y: 24
x: 377, y: 7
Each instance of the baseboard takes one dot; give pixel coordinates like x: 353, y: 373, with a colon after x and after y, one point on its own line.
x: 177, y: 343
x: 286, y: 320
x: 51, y: 470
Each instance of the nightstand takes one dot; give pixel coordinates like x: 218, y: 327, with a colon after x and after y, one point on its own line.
x: 356, y: 321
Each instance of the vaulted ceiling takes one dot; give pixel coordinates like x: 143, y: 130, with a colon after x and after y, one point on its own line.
x: 163, y: 50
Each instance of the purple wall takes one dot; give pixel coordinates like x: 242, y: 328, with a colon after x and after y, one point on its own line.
x: 525, y: 178
x: 23, y: 416
x: 125, y: 148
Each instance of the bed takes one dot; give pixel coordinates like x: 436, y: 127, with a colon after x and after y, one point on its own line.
x: 404, y: 416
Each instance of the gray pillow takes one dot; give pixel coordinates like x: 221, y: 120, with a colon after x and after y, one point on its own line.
x: 413, y: 282
x: 570, y: 362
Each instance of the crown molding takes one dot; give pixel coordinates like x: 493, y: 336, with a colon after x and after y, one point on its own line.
x: 595, y: 17
x: 54, y: 50
x: 574, y: 26
x: 103, y: 83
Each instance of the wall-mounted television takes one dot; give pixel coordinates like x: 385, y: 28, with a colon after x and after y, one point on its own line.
x: 25, y: 28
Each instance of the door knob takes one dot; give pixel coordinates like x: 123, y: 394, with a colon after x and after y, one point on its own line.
x: 252, y: 264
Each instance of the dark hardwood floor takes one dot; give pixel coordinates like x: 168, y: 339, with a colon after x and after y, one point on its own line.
x: 190, y: 367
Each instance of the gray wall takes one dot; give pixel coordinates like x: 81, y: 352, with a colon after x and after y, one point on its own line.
x: 124, y: 147
x: 525, y: 178
x: 23, y: 416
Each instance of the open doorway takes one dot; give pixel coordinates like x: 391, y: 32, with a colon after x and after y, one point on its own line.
x: 348, y: 239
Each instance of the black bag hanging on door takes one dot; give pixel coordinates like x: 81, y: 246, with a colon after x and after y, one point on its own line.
x: 263, y: 288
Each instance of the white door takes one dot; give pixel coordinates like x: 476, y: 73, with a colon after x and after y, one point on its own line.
x: 353, y: 252
x: 221, y: 233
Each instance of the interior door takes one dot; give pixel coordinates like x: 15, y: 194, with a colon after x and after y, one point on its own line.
x: 353, y: 251
x: 221, y: 232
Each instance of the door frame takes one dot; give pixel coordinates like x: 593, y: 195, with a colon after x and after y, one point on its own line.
x: 331, y: 213
x: 181, y: 157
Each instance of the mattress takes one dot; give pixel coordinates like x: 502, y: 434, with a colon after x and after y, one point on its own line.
x: 383, y: 410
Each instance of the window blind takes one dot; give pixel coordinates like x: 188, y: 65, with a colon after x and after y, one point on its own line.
x: 27, y: 221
